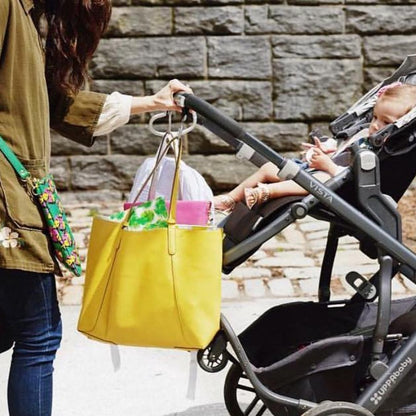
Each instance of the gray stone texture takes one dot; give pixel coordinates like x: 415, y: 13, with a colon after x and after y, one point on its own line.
x: 372, y: 20
x: 239, y: 57
x: 155, y: 57
x: 210, y: 21
x: 294, y: 19
x: 140, y: 21
x: 313, y: 89
x: 280, y: 68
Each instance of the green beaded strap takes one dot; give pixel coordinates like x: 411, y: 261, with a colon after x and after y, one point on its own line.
x: 14, y: 161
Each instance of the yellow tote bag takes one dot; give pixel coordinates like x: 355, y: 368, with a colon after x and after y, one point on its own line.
x: 155, y: 288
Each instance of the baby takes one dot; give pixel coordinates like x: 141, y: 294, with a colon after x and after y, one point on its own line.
x: 393, y: 102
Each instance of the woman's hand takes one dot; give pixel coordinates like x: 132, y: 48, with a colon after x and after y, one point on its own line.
x: 163, y: 99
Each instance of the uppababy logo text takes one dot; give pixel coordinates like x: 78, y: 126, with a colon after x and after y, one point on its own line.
x: 320, y: 191
x: 376, y: 398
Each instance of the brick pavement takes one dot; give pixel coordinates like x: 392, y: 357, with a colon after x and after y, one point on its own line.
x: 286, y: 266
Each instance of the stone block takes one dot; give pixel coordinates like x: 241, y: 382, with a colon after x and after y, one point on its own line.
x: 209, y: 20
x: 90, y: 196
x: 293, y: 20
x: 106, y: 172
x: 249, y: 273
x: 388, y: 50
x: 72, y: 295
x: 397, y: 287
x: 107, y: 86
x: 282, y: 137
x: 293, y: 236
x: 281, y: 287
x: 60, y: 170
x: 229, y: 289
x: 271, y: 244
x: 314, y: 2
x: 286, y: 260
x: 309, y: 287
x: 203, y: 141
x: 240, y: 100
x: 295, y: 273
x: 323, y: 46
x: 134, y: 139
x: 116, y: 3
x: 387, y: 2
x: 186, y: 2
x: 351, y: 258
x: 222, y: 172
x: 157, y: 57
x: 61, y: 146
x: 372, y: 20
x: 312, y: 226
x: 240, y: 57
x: 140, y: 21
x: 374, y: 75
x: 255, y: 288
x: 79, y: 239
x: 315, y: 90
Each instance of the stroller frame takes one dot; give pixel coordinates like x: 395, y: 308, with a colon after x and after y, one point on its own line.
x: 381, y: 225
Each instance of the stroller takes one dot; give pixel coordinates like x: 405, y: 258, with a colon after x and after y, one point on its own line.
x: 354, y: 357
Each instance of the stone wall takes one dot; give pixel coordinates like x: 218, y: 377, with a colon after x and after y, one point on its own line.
x: 281, y: 68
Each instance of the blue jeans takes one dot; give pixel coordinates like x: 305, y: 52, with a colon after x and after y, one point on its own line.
x: 30, y: 313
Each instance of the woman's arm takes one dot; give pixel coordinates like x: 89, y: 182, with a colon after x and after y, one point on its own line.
x: 89, y: 114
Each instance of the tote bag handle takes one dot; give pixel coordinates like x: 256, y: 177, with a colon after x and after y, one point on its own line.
x: 160, y: 155
x: 177, y: 142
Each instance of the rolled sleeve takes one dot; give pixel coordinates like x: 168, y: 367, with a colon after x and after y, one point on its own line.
x: 116, y: 112
x: 76, y: 117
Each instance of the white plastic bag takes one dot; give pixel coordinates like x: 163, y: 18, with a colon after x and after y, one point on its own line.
x: 193, y: 186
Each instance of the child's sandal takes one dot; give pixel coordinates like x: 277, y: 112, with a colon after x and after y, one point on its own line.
x: 258, y: 195
x: 224, y: 203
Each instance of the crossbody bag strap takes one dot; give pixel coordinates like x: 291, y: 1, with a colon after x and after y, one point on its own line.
x: 13, y: 160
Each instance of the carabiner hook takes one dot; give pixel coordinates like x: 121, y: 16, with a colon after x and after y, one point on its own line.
x: 173, y: 133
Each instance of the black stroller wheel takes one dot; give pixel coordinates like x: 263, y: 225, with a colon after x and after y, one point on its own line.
x: 338, y: 409
x: 210, y: 362
x: 240, y: 397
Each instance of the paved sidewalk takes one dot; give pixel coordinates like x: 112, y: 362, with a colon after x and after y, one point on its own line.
x: 286, y: 266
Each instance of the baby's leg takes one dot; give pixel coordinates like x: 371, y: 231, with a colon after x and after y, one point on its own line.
x: 266, y: 173
x: 291, y: 188
x: 264, y: 192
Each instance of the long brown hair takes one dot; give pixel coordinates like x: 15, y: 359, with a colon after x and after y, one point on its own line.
x: 74, y: 28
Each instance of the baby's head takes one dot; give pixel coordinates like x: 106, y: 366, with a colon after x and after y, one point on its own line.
x: 393, y: 102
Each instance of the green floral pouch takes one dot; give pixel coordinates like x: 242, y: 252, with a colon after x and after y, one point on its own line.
x: 146, y: 216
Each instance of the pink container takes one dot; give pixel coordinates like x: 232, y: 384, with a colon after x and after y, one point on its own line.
x: 187, y: 212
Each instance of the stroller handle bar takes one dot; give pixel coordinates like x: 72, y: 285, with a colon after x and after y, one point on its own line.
x: 290, y: 170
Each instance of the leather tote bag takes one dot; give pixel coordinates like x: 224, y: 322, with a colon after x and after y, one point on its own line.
x: 154, y: 288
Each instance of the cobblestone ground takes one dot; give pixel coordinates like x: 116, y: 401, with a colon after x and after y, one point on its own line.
x: 287, y: 265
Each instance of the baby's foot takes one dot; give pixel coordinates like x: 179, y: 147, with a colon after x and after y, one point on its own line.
x: 257, y: 195
x: 224, y: 203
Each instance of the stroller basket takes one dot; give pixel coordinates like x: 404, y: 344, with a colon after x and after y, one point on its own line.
x: 318, y: 352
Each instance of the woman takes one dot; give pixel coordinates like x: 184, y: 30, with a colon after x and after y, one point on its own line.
x: 31, y: 101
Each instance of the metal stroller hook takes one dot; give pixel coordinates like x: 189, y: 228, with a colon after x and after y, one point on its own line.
x: 173, y: 133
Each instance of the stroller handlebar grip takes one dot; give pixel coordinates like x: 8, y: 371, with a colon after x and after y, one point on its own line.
x: 209, y: 112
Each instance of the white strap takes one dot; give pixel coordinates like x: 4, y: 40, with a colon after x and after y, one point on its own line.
x: 115, y: 357
x: 193, y: 368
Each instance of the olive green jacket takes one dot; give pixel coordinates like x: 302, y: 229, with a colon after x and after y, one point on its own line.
x: 26, y: 115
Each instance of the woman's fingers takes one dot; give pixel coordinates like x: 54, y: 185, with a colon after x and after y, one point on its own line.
x: 175, y: 86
